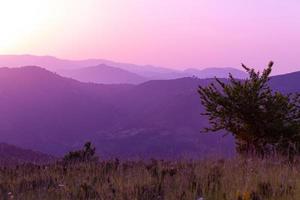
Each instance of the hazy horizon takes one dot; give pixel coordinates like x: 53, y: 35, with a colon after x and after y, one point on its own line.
x: 174, y: 34
x: 239, y: 67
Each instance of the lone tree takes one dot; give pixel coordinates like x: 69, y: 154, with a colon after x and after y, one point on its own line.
x: 261, y: 120
x: 87, y: 154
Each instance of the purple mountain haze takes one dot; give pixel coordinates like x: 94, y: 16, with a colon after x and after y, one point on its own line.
x: 105, y: 71
x: 104, y: 74
x: 43, y: 111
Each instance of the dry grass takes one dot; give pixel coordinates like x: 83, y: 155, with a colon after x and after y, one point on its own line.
x: 213, y: 180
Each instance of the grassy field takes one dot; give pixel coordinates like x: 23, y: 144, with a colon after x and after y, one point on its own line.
x: 236, y: 179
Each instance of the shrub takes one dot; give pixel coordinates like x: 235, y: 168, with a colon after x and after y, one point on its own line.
x: 84, y: 155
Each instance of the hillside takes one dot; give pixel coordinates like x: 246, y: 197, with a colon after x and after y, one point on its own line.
x: 52, y: 114
x: 10, y: 154
x: 43, y: 111
x: 286, y: 82
x: 103, y: 74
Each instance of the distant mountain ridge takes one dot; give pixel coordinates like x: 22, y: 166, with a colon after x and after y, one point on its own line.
x: 104, y: 74
x: 55, y: 64
x: 135, y: 73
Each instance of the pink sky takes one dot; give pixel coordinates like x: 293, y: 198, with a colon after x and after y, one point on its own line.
x: 171, y: 33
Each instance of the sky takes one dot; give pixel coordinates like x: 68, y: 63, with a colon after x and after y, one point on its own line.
x: 171, y: 33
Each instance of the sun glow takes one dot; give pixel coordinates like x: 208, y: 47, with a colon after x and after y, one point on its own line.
x: 20, y: 20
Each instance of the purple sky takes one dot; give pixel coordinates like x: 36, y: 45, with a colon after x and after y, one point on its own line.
x: 171, y: 33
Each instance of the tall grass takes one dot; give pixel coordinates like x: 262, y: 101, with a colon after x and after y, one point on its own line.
x: 236, y: 179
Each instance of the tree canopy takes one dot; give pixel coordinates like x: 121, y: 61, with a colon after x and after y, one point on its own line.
x: 261, y: 120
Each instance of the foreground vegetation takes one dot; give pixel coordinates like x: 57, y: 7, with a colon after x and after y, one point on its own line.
x: 236, y: 179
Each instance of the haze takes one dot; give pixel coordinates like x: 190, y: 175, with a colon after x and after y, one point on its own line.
x: 172, y: 33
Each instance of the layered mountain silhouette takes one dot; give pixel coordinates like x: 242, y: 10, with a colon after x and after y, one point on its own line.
x: 57, y: 65
x: 104, y: 74
x: 43, y: 111
x: 105, y: 71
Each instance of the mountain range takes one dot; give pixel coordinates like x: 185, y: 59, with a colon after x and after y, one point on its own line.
x: 46, y: 112
x: 105, y: 71
x: 104, y: 74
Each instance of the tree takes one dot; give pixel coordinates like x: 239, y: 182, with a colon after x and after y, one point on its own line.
x: 85, y: 155
x: 260, y: 119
